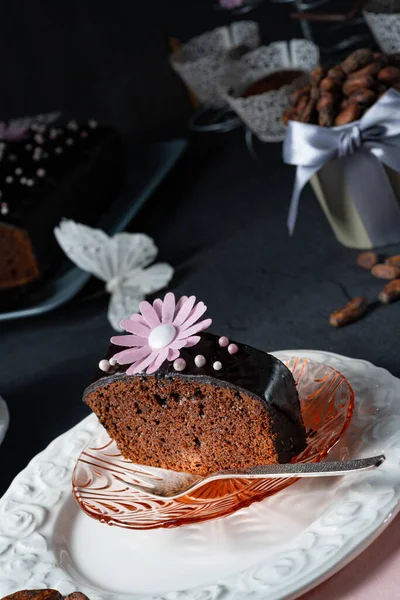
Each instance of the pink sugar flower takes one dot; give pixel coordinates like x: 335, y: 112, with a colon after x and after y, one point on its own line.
x: 159, y: 332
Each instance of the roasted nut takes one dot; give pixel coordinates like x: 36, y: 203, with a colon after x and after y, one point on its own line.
x: 364, y: 97
x: 290, y: 114
x: 390, y: 292
x: 76, y: 596
x: 327, y: 99
x: 307, y: 114
x: 350, y: 312
x: 326, y: 116
x: 34, y: 595
x: 389, y: 75
x: 351, y: 86
x: 316, y: 75
x: 330, y: 85
x: 336, y: 74
x: 349, y: 114
x: 385, y: 271
x: 372, y: 70
x: 297, y: 94
x: 302, y: 103
x: 367, y: 260
x: 357, y: 60
x: 393, y: 261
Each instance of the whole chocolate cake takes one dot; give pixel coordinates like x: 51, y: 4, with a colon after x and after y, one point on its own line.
x: 48, y: 172
x: 204, y: 403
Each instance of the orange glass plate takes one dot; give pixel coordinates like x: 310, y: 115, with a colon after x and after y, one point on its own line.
x: 100, y: 475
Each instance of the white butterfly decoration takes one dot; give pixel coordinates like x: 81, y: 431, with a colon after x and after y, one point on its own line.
x: 121, y: 261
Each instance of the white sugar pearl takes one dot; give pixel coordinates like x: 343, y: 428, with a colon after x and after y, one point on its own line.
x: 217, y: 366
x: 29, y: 182
x: 92, y: 124
x: 223, y: 341
x: 9, y: 179
x: 199, y: 360
x: 18, y: 171
x: 104, y: 365
x: 179, y: 364
x: 112, y: 362
x: 58, y: 150
x: 69, y: 142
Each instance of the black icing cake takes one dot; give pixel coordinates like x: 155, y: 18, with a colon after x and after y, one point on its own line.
x: 48, y: 172
x: 212, y: 405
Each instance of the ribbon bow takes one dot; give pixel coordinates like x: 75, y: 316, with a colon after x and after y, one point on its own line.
x: 363, y: 146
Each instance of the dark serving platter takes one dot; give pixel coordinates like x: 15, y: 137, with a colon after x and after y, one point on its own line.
x: 146, y: 169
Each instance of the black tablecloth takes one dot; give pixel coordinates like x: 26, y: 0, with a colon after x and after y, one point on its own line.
x: 220, y: 220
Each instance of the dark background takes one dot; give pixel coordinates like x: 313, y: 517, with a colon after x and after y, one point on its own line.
x: 219, y: 218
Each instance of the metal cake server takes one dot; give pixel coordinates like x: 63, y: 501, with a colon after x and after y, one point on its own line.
x: 172, y: 485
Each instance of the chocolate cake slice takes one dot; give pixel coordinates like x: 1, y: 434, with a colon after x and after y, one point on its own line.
x: 209, y: 405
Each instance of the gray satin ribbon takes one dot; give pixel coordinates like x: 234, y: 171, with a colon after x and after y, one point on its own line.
x: 364, y: 147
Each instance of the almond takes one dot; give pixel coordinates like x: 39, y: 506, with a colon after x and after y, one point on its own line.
x: 367, y: 260
x: 385, y: 271
x: 391, y: 292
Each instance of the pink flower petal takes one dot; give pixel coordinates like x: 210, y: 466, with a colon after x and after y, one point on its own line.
x: 136, y: 328
x: 184, y: 312
x: 177, y: 344
x: 129, y: 341
x: 129, y: 356
x: 149, y: 314
x: 172, y: 354
x: 195, y: 315
x: 168, y: 308
x: 140, y: 366
x: 162, y: 356
x: 157, y: 305
x: 192, y: 341
x: 138, y: 318
x: 194, y: 329
x: 179, y: 304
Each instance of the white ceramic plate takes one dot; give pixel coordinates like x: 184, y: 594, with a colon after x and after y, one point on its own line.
x: 4, y: 419
x: 278, y: 548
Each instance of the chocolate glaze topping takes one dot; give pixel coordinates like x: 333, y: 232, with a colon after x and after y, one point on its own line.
x: 251, y: 371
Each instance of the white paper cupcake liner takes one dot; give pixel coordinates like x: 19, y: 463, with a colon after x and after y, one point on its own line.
x: 203, y: 60
x: 383, y: 19
x: 263, y: 113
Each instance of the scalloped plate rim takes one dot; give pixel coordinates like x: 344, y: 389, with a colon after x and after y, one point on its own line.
x: 330, y: 565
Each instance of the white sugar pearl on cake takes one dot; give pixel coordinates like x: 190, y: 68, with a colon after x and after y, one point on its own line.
x: 179, y: 364
x: 199, y: 360
x: 9, y: 179
x: 223, y: 341
x: 112, y: 361
x: 104, y: 365
x: 217, y: 365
